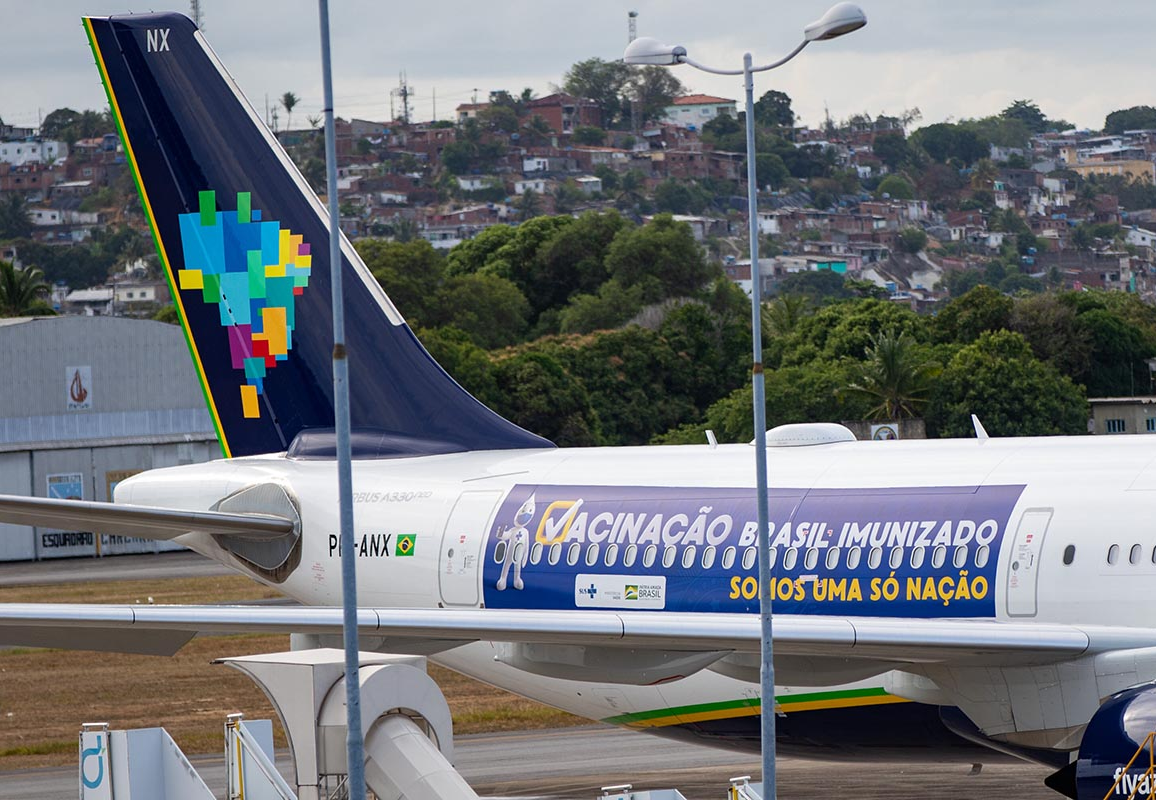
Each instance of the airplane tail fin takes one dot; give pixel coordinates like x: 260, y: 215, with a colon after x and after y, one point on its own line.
x: 244, y: 244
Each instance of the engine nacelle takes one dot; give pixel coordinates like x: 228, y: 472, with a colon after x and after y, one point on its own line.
x: 1115, y: 733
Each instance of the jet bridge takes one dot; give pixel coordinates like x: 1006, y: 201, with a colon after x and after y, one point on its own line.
x: 405, y: 721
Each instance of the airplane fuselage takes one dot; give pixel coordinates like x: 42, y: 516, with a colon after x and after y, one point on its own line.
x: 1011, y: 529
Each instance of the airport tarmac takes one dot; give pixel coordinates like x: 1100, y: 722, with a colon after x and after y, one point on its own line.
x: 571, y: 762
x: 574, y: 763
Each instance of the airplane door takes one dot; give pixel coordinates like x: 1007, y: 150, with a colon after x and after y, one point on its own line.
x: 459, y: 562
x: 1023, y: 569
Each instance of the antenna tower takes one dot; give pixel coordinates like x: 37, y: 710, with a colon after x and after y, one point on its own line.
x: 403, y: 92
x: 631, y: 26
x: 196, y: 14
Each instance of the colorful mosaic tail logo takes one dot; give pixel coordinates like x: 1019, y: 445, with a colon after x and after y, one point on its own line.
x: 253, y: 270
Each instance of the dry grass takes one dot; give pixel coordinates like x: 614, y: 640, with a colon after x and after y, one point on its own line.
x: 45, y: 695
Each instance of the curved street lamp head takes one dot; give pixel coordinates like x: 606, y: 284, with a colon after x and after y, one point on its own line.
x: 647, y: 50
x: 841, y: 18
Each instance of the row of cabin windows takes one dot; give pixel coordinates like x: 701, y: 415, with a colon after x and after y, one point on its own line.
x: 1135, y: 554
x: 810, y: 557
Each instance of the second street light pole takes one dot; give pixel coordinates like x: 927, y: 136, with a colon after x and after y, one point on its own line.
x: 758, y: 394
x: 842, y: 18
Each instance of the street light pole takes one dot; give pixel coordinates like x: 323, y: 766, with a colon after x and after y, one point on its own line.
x: 840, y: 19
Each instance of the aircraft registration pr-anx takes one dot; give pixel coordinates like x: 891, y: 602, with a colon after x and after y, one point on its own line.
x: 946, y: 599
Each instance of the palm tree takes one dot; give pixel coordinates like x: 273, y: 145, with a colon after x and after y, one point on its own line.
x: 894, y: 376
x: 538, y: 129
x: 290, y: 101
x: 23, y: 292
x: 783, y: 313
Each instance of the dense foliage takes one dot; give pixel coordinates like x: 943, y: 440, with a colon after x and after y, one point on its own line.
x: 594, y: 330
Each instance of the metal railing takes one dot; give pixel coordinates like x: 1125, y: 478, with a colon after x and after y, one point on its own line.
x: 1145, y: 782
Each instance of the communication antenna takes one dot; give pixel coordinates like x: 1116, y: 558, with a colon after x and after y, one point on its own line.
x: 403, y: 92
x: 195, y: 13
x: 631, y: 26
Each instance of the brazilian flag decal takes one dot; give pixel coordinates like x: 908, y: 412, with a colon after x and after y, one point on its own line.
x: 406, y: 542
x: 631, y: 591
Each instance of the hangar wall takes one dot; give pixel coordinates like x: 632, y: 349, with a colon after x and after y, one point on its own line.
x: 84, y: 403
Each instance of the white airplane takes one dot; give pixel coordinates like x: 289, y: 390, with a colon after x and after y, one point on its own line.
x: 940, y: 599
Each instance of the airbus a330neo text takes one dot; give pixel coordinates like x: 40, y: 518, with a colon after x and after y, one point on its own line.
x: 939, y: 599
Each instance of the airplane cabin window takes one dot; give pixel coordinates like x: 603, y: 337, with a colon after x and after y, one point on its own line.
x: 854, y: 555
x: 611, y: 555
x: 896, y: 558
x: 573, y: 553
x: 519, y: 552
x: 772, y: 557
x: 536, y: 553
x: 629, y: 555
x: 938, y: 556
x: 790, y: 557
x: 708, y: 557
x: 832, y: 558
x: 500, y: 551
x: 728, y: 559
x: 688, y: 556
x: 592, y: 554
x: 555, y: 554
x: 917, y: 556
x: 668, y: 556
x: 811, y: 558
x: 749, y: 556
x: 1070, y: 555
x: 1113, y: 554
x: 1134, y: 554
x: 648, y: 555
x: 960, y: 557
x: 874, y: 558
x: 982, y: 554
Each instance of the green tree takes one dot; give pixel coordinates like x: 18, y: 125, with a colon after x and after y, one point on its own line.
x: 466, y: 363
x: 600, y: 81
x: 1052, y: 328
x: 912, y: 240
x: 662, y: 257
x: 611, y: 306
x: 1028, y: 113
x: 538, y: 394
x: 1130, y: 119
x: 530, y: 205
x: 289, y: 100
x: 497, y: 118
x: 589, y: 135
x: 23, y: 292
x: 944, y: 141
x: 896, y: 377
x: 783, y: 313
x: 409, y: 272
x: 773, y: 110
x: 14, y: 220
x: 892, y: 149
x: 490, y: 309
x: 966, y: 318
x: 1011, y: 391
x: 895, y: 186
x: 652, y: 90
x: 680, y: 197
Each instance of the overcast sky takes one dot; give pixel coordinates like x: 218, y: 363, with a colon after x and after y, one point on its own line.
x: 952, y: 60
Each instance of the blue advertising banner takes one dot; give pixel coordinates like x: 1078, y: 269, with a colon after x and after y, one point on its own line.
x: 893, y: 552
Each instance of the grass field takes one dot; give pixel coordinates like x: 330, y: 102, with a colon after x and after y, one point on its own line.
x: 45, y: 695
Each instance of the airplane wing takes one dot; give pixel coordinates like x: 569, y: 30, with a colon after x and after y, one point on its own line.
x: 163, y: 629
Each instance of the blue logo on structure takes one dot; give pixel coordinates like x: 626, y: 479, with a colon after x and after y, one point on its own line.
x: 85, y: 754
x: 590, y: 592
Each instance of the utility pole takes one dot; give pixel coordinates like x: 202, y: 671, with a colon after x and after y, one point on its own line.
x: 403, y: 91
